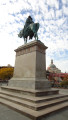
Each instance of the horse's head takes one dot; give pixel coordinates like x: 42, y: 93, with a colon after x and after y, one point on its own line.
x: 37, y: 26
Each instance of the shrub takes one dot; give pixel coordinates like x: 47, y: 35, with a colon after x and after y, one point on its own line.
x: 6, y: 73
x: 65, y: 78
x: 64, y: 84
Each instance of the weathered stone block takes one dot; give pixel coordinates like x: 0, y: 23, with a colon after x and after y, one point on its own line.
x: 30, y: 67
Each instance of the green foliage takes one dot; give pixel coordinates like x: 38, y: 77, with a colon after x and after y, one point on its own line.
x: 6, y: 73
x: 64, y: 83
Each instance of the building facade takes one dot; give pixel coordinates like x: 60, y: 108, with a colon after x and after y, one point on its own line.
x: 53, y: 74
x: 53, y: 69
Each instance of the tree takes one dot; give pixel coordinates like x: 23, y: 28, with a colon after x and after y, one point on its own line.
x: 6, y: 73
x: 64, y: 83
x: 65, y: 78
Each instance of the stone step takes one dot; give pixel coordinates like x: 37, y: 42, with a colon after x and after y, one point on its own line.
x: 30, y: 91
x: 35, y: 106
x: 34, y: 115
x: 32, y: 98
x: 44, y: 105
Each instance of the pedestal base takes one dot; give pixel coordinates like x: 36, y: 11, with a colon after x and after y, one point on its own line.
x: 30, y: 67
x: 30, y: 83
x: 29, y: 91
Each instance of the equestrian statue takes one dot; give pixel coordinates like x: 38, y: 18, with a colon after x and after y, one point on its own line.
x: 30, y: 29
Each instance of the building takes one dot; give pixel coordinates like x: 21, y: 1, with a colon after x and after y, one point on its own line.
x: 53, y: 69
x: 53, y: 74
x: 8, y: 66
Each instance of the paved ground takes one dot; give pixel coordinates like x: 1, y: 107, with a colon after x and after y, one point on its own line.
x: 62, y: 91
x: 9, y: 114
x: 63, y: 115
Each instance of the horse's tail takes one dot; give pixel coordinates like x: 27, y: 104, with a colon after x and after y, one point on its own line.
x: 21, y: 33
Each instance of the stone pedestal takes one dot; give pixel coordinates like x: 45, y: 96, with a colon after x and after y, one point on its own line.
x: 28, y: 91
x: 30, y: 67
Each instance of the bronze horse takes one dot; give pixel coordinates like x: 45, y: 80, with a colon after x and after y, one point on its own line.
x: 30, y: 30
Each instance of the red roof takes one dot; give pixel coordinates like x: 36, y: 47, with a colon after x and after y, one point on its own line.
x: 58, y: 74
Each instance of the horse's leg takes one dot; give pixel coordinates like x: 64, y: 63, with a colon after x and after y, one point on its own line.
x: 24, y: 40
x: 36, y: 36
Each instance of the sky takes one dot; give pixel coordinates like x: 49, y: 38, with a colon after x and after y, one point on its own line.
x: 52, y: 15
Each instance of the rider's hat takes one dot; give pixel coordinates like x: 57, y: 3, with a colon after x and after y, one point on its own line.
x: 30, y: 17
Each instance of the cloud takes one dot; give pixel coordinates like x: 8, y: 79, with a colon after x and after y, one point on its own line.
x: 52, y: 16
x: 58, y: 13
x: 65, y: 10
x: 62, y: 64
x: 64, y: 1
x: 53, y: 3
